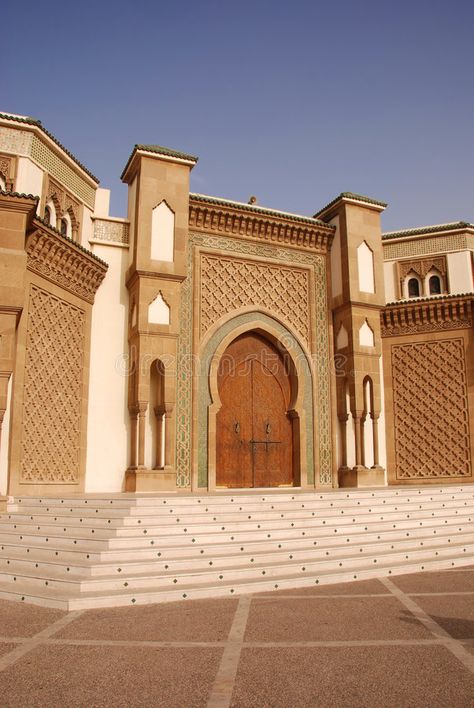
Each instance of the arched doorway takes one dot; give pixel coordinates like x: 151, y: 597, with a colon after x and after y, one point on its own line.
x: 254, y: 430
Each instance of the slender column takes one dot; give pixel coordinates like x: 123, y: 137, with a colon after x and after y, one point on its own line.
x: 343, y: 428
x: 133, y: 410
x: 142, y: 408
x: 168, y: 456
x: 362, y: 440
x: 160, y: 452
x: 357, y: 431
x: 375, y: 435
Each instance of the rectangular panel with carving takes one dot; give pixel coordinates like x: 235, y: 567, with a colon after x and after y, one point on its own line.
x: 431, y: 412
x: 51, y: 440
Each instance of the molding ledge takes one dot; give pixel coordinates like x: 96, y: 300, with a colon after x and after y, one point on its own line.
x: 427, y: 315
x: 63, y: 262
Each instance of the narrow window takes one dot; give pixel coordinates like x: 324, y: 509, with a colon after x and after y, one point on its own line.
x: 413, y: 288
x: 47, y: 215
x: 435, y: 285
x: 63, y: 227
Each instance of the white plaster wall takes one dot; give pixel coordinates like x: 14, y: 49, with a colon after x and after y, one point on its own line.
x: 381, y: 426
x: 102, y: 202
x: 365, y: 265
x: 5, y: 442
x: 29, y: 177
x: 336, y: 265
x: 350, y: 432
x: 132, y: 192
x: 390, y: 281
x: 87, y: 227
x: 162, y: 233
x: 108, y: 421
x: 460, y: 272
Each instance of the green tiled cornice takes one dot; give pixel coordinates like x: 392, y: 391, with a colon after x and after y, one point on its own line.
x: 252, y: 208
x: 27, y: 120
x: 456, y: 226
x: 351, y: 195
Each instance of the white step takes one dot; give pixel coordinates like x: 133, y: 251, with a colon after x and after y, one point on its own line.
x: 93, y: 551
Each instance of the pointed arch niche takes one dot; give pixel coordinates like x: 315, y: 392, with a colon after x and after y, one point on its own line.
x: 159, y: 311
x: 162, y: 233
x: 301, y: 408
x: 365, y: 265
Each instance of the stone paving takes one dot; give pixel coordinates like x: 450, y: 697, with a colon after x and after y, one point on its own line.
x: 407, y: 641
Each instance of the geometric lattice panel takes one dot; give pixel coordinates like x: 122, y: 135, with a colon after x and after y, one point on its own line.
x: 52, y: 401
x: 431, y: 413
x: 228, y: 284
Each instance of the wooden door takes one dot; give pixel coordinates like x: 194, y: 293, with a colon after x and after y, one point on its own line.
x: 254, y: 446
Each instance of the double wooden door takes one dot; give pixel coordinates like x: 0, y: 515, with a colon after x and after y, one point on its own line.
x: 254, y: 445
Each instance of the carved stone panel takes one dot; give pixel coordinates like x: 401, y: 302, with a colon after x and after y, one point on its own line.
x: 51, y: 439
x: 431, y: 413
x: 229, y: 284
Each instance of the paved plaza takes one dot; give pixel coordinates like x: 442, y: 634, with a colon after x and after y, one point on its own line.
x: 407, y: 641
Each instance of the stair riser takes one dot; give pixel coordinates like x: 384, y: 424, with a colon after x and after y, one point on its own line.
x: 179, y: 506
x: 95, y: 521
x: 312, y: 568
x: 34, y: 553
x: 232, y: 559
x: 237, y: 526
x: 95, y: 543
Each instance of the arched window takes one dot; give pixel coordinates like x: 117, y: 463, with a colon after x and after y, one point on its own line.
x: 413, y: 288
x: 50, y: 213
x: 3, y: 183
x: 63, y: 227
x: 435, y: 285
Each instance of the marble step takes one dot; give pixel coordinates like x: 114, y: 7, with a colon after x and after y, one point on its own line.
x: 209, y: 534
x: 142, y: 504
x: 204, y: 515
x: 186, y: 547
x: 70, y: 600
x: 230, y: 557
x: 235, y: 574
x: 250, y: 523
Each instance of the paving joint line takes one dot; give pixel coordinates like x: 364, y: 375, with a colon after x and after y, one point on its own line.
x: 223, y: 686
x: 37, y: 639
x: 453, y: 645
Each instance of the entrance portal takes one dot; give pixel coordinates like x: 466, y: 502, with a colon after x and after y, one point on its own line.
x: 254, y: 445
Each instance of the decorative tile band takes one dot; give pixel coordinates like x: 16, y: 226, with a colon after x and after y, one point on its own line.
x: 275, y: 254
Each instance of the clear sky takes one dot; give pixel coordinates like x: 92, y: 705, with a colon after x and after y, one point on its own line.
x: 291, y: 101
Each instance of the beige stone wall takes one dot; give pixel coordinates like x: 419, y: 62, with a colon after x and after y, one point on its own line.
x: 429, y: 393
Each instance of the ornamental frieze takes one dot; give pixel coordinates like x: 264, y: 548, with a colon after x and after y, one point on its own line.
x: 429, y: 315
x: 64, y: 263
x: 279, y: 229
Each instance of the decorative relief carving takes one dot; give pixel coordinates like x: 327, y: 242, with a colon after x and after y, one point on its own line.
x: 422, y: 267
x: 51, y: 441
x: 111, y: 231
x: 431, y: 413
x: 64, y: 263
x: 321, y: 354
x: 228, y: 284
x: 7, y: 171
x: 63, y: 203
x: 429, y: 315
x: 410, y: 248
x: 56, y: 167
x: 277, y: 228
x: 16, y: 141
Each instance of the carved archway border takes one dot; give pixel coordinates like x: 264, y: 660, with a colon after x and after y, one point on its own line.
x: 208, y: 399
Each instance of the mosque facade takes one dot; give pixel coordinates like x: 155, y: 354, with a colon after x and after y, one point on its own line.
x: 203, y: 344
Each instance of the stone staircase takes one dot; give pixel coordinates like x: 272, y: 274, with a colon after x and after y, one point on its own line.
x: 98, y: 551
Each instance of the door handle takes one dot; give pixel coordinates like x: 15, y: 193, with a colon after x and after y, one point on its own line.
x: 268, y: 429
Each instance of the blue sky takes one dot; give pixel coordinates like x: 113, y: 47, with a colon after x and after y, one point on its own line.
x: 293, y: 102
